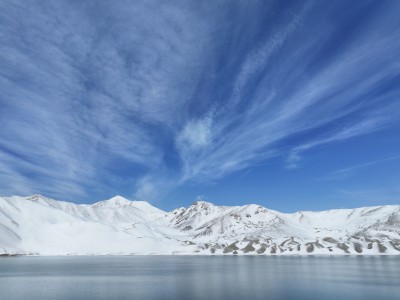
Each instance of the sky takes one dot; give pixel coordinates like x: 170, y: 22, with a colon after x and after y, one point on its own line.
x: 293, y: 105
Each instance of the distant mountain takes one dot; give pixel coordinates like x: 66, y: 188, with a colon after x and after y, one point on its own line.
x: 37, y: 225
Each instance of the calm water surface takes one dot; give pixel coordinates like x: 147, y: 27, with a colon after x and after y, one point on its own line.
x: 200, y: 277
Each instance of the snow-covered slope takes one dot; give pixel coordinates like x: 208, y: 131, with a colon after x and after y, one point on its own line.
x: 39, y: 225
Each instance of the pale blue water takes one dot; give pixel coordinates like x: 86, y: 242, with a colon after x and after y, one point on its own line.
x: 199, y: 277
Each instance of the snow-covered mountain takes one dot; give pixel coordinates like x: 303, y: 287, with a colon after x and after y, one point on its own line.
x: 39, y: 225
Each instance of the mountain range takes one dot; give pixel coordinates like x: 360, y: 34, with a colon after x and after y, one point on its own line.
x: 37, y: 225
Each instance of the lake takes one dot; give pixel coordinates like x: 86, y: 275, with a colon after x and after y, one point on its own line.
x: 200, y: 277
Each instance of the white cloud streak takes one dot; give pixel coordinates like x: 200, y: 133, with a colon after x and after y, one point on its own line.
x: 88, y: 90
x: 335, y: 91
x: 83, y: 90
x: 346, y: 172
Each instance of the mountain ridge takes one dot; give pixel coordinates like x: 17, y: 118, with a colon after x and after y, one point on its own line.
x: 42, y: 226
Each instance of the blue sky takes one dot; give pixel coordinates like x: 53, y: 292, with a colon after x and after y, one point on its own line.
x: 294, y: 105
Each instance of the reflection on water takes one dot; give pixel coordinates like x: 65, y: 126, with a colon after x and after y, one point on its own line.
x: 200, y: 277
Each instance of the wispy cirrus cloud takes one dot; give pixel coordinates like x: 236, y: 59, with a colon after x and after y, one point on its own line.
x: 83, y: 85
x: 373, y: 122
x: 340, y: 90
x: 148, y: 96
x: 348, y: 171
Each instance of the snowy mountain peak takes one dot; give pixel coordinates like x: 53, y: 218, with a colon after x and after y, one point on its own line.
x: 254, y: 208
x: 36, y: 197
x: 115, y: 202
x: 42, y: 200
x: 141, y: 207
x: 202, y: 204
x: 120, y: 226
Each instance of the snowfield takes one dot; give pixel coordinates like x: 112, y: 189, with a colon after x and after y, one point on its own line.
x: 37, y: 225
